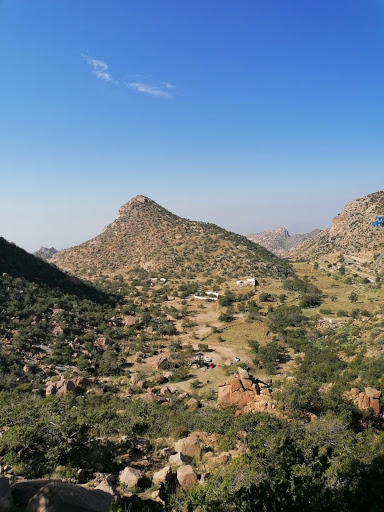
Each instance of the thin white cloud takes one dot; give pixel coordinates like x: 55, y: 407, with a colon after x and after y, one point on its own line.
x: 99, y: 69
x: 162, y: 90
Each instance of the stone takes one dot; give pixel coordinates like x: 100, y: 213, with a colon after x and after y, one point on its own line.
x: 188, y: 446
x: 192, y: 404
x: 24, y: 490
x: 374, y: 404
x: 373, y: 393
x: 224, y: 395
x: 163, y: 476
x: 178, y: 459
x: 165, y: 391
x: 140, y: 444
x: 59, y: 497
x: 130, y: 476
x: 355, y: 393
x: 6, y: 499
x: 186, y: 476
x: 64, y: 386
x: 165, y: 452
x: 134, y: 379
x: 109, y: 488
x: 162, y: 362
x: 83, y: 383
x: 223, y: 458
x: 243, y: 374
x: 51, y: 389
x: 95, y: 391
x: 363, y: 401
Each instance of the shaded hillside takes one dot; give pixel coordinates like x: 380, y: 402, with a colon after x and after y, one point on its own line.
x: 45, y: 253
x: 279, y: 241
x: 351, y: 232
x: 18, y: 263
x: 147, y: 236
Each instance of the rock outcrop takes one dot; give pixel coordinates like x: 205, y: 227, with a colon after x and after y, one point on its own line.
x: 351, y: 232
x: 245, y: 392
x: 279, y: 241
x: 367, y: 399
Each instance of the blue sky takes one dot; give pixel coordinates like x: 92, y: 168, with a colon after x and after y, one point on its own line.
x: 251, y: 114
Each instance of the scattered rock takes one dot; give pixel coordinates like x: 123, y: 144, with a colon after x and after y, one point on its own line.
x: 163, y: 476
x: 188, y: 446
x: 130, y: 476
x: 186, y: 476
x: 178, y: 459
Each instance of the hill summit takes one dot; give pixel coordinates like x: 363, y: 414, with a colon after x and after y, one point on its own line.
x: 145, y: 235
x: 279, y: 241
x: 351, y: 232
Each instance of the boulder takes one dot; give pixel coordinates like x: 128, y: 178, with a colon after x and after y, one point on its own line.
x: 64, y: 386
x: 130, y: 476
x: 59, y: 497
x: 188, y: 446
x: 162, y: 362
x: 363, y: 401
x: 24, y: 490
x: 192, y: 404
x: 178, y: 459
x: 373, y: 393
x: 355, y: 393
x: 83, y: 383
x: 109, y: 488
x: 51, y: 389
x: 165, y: 391
x: 6, y: 500
x: 224, y: 395
x: 374, y: 404
x: 163, y: 476
x: 186, y: 476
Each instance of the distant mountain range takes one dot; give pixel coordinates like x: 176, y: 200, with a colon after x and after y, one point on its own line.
x: 147, y: 236
x: 44, y: 253
x: 351, y: 232
x: 279, y: 241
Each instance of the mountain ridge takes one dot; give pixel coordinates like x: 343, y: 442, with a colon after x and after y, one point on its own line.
x: 145, y: 235
x: 279, y: 241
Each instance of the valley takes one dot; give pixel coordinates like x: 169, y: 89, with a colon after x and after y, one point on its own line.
x: 153, y: 387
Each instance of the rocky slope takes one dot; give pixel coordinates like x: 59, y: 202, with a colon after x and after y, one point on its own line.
x: 147, y: 236
x: 45, y: 253
x: 351, y: 232
x: 279, y: 241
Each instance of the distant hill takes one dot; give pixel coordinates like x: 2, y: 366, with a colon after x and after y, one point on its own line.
x: 351, y: 232
x: 45, y: 253
x: 15, y: 263
x: 279, y: 241
x: 145, y: 235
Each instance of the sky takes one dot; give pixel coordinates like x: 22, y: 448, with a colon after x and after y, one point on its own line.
x: 251, y: 114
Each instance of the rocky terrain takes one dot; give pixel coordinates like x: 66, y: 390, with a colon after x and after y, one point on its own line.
x: 351, y: 233
x: 45, y: 253
x: 147, y: 236
x: 187, y: 389
x: 279, y: 241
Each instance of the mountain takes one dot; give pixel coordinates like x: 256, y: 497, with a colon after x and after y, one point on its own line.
x: 145, y: 235
x: 351, y: 232
x: 45, y: 253
x: 279, y: 241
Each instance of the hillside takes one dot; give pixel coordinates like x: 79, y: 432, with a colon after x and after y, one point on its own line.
x: 279, y: 241
x: 45, y: 253
x: 147, y: 236
x: 351, y: 232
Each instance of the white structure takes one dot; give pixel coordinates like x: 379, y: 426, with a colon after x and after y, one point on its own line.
x: 246, y: 282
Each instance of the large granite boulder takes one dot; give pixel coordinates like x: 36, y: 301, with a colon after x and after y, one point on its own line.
x: 62, y: 497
